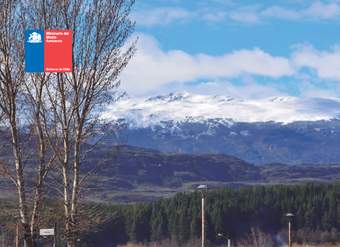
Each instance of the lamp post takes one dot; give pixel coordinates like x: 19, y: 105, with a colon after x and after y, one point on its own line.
x: 202, y: 188
x: 289, y: 216
x: 222, y: 236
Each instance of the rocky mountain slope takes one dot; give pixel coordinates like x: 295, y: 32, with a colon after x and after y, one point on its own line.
x: 277, y: 129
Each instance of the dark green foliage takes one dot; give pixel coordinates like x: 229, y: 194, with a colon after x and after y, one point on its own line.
x: 236, y: 212
x: 233, y: 212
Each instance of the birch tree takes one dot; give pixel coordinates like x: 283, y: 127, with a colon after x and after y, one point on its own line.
x: 100, y: 53
x: 60, y: 109
x: 21, y: 101
x: 11, y: 79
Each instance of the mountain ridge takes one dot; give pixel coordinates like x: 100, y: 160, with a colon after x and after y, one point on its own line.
x: 134, y: 173
x: 181, y: 107
x: 129, y: 174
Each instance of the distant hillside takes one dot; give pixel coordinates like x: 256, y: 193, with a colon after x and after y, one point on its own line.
x: 131, y: 173
x: 258, y: 143
x: 126, y: 174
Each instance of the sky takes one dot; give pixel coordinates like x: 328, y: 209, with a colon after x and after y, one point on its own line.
x: 244, y: 49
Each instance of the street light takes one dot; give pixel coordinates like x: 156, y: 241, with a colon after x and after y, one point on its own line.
x: 202, y: 188
x: 289, y: 216
x: 222, y: 236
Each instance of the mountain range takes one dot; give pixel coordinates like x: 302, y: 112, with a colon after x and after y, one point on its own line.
x: 179, y: 107
x: 273, y: 130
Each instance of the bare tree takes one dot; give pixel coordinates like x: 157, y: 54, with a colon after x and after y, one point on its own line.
x: 61, y: 109
x: 34, y: 92
x: 11, y: 78
x: 100, y: 53
x: 21, y: 105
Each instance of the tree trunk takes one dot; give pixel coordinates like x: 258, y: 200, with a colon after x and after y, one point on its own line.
x: 75, y: 186
x: 23, y: 215
x: 41, y: 174
x: 65, y: 176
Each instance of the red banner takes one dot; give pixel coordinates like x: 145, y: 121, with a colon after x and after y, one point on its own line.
x: 58, y: 51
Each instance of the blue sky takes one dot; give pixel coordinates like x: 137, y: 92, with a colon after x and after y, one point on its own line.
x: 240, y: 48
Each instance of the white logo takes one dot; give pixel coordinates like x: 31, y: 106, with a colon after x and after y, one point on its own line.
x: 34, y: 38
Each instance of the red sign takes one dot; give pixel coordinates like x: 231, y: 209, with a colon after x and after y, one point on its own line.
x: 58, y: 51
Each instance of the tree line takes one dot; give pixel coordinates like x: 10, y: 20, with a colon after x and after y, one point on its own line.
x: 233, y: 212
x: 250, y: 212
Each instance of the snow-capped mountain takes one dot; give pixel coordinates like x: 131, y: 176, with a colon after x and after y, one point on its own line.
x: 277, y: 129
x: 181, y: 107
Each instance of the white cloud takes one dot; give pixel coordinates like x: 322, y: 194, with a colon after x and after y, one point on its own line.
x: 247, y: 90
x: 255, y: 14
x: 307, y: 71
x: 214, y: 16
x: 252, y: 14
x: 312, y: 90
x: 160, y: 16
x: 153, y: 68
x: 245, y: 16
x: 320, y: 10
x: 325, y: 63
x: 316, y: 11
x: 280, y: 12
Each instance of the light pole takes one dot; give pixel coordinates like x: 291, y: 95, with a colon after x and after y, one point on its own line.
x: 202, y: 188
x: 222, y: 236
x: 289, y: 216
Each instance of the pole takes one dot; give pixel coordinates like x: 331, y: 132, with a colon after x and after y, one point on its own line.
x: 289, y: 234
x: 203, y: 222
x: 229, y: 242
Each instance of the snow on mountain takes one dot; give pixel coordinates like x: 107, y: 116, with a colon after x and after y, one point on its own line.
x: 179, y: 107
